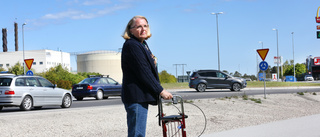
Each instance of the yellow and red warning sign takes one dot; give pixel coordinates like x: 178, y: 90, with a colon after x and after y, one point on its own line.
x: 263, y: 53
x: 29, y: 62
x: 317, y: 17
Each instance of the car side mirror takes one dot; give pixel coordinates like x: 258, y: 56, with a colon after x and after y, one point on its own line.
x: 117, y: 83
x: 54, y: 86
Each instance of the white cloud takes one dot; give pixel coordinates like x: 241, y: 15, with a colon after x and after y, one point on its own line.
x: 108, y: 10
x: 76, y: 14
x: 96, y: 2
x: 61, y: 15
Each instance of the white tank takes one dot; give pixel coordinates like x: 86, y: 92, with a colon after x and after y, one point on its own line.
x: 103, y: 62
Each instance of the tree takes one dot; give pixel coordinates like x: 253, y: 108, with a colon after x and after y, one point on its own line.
x: 17, y: 69
x: 2, y: 69
x: 237, y: 74
x: 225, y: 71
x: 165, y: 77
x: 62, y: 77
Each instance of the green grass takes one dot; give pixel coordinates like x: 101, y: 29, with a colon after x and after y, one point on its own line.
x: 279, y: 84
x: 183, y: 85
x: 250, y: 84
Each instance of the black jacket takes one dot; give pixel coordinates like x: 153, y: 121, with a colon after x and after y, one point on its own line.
x: 140, y: 83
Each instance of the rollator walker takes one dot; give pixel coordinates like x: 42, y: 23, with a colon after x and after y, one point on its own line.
x: 172, y: 125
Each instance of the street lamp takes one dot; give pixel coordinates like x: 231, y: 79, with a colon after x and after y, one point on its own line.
x: 217, y: 36
x: 294, y: 68
x: 24, y: 64
x: 277, y: 54
x: 261, y: 43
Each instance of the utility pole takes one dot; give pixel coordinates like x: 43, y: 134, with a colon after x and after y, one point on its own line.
x: 177, y: 69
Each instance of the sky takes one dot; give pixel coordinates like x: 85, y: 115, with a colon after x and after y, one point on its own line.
x: 183, y: 31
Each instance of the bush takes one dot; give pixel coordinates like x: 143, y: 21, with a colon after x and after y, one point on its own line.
x: 165, y: 77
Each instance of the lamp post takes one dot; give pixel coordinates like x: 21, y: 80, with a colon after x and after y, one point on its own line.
x: 294, y: 68
x: 261, y: 43
x: 24, y: 69
x: 217, y: 13
x: 277, y: 54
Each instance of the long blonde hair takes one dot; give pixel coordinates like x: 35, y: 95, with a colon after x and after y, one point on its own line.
x: 127, y: 35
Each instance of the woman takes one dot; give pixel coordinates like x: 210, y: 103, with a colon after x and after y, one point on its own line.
x: 140, y: 85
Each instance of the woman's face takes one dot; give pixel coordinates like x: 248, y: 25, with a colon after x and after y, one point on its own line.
x: 140, y: 29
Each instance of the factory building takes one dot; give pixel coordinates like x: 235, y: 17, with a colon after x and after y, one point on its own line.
x: 43, y: 59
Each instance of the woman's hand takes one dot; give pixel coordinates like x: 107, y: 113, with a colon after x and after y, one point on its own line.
x: 166, y: 95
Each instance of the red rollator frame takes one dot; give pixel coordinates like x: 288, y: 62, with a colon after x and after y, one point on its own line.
x: 172, y: 125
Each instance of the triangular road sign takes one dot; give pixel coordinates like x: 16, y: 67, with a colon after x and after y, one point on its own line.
x: 29, y: 63
x: 263, y: 53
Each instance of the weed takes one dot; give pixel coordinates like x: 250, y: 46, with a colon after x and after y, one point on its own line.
x: 256, y: 100
x: 245, y: 97
x: 168, y: 103
x: 236, y: 97
x: 300, y: 93
x: 314, y: 93
x: 188, y: 101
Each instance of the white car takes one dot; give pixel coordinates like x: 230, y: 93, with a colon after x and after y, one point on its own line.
x: 308, y: 78
x: 31, y: 91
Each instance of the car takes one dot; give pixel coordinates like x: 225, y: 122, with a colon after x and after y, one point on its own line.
x: 29, y: 92
x: 267, y: 79
x: 215, y: 79
x: 308, y: 78
x: 100, y: 87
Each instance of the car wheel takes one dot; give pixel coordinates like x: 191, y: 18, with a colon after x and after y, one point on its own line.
x: 201, y: 87
x: 26, y: 103
x: 236, y: 87
x: 1, y: 108
x: 99, y: 95
x: 79, y: 98
x: 66, y: 101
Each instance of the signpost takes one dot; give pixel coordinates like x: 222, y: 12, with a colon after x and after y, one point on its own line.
x: 318, y: 21
x: 29, y: 63
x: 263, y: 65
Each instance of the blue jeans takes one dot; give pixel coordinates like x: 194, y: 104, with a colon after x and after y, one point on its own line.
x: 137, y: 114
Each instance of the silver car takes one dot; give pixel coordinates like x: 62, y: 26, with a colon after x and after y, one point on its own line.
x: 308, y: 78
x: 31, y: 91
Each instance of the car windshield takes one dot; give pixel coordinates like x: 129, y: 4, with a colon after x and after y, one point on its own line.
x: 88, y: 81
x: 5, y: 81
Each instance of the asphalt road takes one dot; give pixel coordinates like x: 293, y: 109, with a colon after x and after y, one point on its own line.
x: 186, y: 94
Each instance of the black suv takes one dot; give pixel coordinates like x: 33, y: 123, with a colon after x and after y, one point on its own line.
x: 215, y: 79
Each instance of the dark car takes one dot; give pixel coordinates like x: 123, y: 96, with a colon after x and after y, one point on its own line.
x: 215, y: 79
x: 100, y: 87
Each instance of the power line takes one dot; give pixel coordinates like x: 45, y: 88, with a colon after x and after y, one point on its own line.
x: 177, y: 68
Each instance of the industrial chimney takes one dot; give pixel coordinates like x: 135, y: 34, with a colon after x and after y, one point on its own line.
x: 4, y: 39
x: 16, y: 36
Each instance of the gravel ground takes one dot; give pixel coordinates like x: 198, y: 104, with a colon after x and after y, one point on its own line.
x: 110, y: 121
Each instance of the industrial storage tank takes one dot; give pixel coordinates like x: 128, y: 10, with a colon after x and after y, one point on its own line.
x: 102, y: 61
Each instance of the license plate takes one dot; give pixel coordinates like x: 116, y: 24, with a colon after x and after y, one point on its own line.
x: 79, y: 87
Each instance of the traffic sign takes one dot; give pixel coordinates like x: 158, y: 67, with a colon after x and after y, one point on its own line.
x: 30, y: 73
x: 318, y: 34
x: 29, y: 63
x: 318, y: 27
x: 263, y: 65
x: 263, y: 53
x: 317, y: 17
